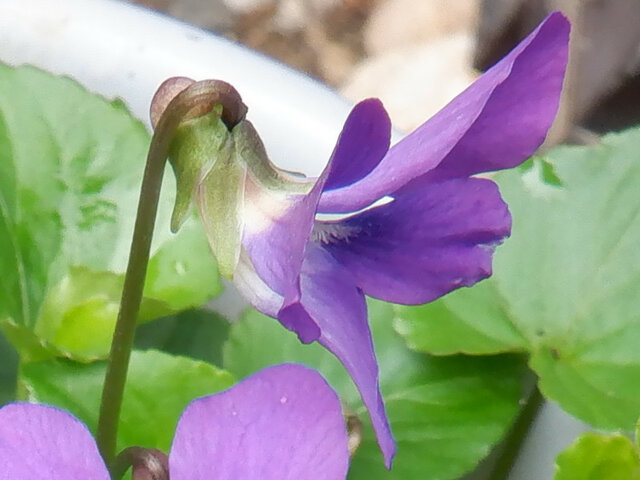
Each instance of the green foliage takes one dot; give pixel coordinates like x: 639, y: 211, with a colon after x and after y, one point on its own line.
x: 599, y: 457
x: 446, y: 413
x: 70, y: 170
x: 8, y: 368
x: 565, y: 287
x: 198, y: 334
x: 158, y: 389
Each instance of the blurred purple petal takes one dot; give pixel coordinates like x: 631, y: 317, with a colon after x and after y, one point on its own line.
x: 39, y: 442
x: 426, y: 242
x: 338, y: 307
x: 496, y: 123
x: 283, y: 423
x: 363, y: 142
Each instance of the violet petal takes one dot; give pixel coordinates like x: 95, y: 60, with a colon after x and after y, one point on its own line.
x: 283, y: 423
x: 338, y: 307
x: 277, y: 228
x: 46, y: 443
x: 276, y: 254
x: 278, y: 225
x: 426, y: 242
x: 363, y: 142
x: 496, y: 123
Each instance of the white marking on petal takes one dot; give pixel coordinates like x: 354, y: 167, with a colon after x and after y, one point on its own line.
x: 254, y: 289
x: 335, y: 217
x: 263, y: 207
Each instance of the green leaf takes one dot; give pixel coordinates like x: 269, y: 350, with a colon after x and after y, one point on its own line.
x: 597, y: 457
x: 32, y: 347
x: 470, y: 320
x: 8, y: 368
x: 77, y: 315
x: 199, y: 334
x: 565, y: 285
x: 70, y: 170
x: 158, y: 389
x: 446, y: 413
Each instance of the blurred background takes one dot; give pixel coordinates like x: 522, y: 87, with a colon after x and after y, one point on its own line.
x: 416, y: 55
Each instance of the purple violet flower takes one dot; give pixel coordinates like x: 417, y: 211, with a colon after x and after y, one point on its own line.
x: 283, y: 423
x: 415, y: 222
x: 437, y: 233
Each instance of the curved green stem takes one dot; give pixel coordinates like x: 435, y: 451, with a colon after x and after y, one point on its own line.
x: 193, y: 101
x: 517, y: 434
x: 499, y: 463
x: 131, y: 298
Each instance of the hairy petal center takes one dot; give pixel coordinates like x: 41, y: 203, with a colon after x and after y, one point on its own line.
x: 326, y: 233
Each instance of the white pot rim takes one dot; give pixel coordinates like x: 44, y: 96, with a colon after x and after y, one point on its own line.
x: 126, y: 51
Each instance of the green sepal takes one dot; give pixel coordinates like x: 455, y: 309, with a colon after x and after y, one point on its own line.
x: 197, y: 145
x: 208, y: 167
x: 220, y: 200
x: 222, y: 171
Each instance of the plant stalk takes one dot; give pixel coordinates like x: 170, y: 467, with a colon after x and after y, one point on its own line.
x: 517, y: 434
x: 499, y: 463
x: 123, y: 336
x: 193, y: 101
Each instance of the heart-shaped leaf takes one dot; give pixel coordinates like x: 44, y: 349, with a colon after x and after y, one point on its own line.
x: 566, y: 286
x: 70, y: 170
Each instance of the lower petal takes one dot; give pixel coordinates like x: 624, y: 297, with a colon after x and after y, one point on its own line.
x: 338, y: 307
x: 283, y: 423
x: 427, y: 242
x: 46, y: 443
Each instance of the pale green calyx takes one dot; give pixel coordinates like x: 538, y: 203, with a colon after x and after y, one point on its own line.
x: 219, y: 160
x: 202, y: 157
x: 199, y: 145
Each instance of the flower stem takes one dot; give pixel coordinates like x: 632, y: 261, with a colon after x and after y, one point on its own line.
x: 193, y: 101
x: 517, y: 434
x: 122, y: 342
x: 500, y: 462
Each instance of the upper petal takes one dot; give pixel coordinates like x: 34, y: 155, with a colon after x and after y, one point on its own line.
x: 283, y: 423
x: 45, y: 443
x: 331, y: 298
x: 495, y: 123
x: 363, y: 142
x: 426, y: 242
